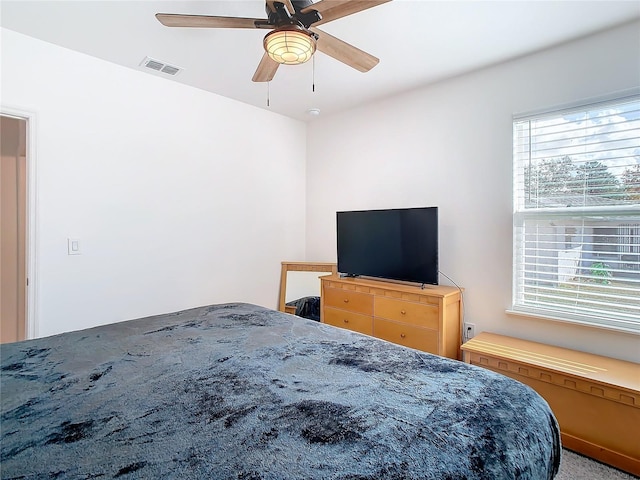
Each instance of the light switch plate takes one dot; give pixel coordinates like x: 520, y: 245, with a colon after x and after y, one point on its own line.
x: 73, y: 246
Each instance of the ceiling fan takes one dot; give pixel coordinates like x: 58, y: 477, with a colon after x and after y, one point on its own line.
x: 294, y: 35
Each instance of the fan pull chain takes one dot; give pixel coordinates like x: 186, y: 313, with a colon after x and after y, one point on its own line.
x: 268, y: 94
x: 313, y: 73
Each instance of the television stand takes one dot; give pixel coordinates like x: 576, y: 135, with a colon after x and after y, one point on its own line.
x: 424, y: 319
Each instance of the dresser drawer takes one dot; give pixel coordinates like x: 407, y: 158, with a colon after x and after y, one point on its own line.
x: 348, y: 300
x: 349, y: 320
x: 407, y: 335
x: 417, y: 314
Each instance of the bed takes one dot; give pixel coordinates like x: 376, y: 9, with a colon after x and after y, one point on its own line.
x: 237, y: 391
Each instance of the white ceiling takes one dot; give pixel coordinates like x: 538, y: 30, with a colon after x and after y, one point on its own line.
x: 418, y: 42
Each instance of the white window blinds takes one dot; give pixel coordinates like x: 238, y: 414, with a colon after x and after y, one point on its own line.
x: 577, y: 215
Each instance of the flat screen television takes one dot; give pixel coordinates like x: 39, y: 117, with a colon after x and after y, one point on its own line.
x: 396, y: 244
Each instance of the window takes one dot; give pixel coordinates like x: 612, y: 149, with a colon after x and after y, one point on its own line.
x: 577, y: 215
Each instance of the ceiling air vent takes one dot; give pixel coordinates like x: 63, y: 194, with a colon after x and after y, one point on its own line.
x: 159, y: 66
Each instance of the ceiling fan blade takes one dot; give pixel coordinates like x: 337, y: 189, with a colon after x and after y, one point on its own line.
x: 287, y: 3
x: 289, y: 6
x: 266, y: 69
x: 208, y: 21
x: 334, y: 9
x: 344, y: 52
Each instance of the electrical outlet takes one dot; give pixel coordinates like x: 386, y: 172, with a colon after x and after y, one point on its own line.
x: 469, y: 331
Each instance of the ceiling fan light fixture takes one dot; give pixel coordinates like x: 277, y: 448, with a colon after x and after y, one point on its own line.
x: 290, y: 45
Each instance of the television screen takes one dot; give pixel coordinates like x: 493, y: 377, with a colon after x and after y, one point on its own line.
x: 397, y: 244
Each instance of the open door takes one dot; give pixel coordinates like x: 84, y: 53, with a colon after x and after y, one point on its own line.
x: 13, y: 237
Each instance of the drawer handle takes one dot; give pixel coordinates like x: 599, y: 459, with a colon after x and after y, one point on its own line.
x: 346, y: 300
x: 345, y: 320
x: 403, y: 312
x: 402, y: 335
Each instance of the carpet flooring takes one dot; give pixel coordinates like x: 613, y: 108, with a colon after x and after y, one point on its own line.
x: 578, y: 467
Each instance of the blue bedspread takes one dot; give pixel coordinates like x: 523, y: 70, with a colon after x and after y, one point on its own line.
x: 237, y: 391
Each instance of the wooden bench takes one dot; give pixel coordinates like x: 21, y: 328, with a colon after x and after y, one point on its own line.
x: 595, y: 399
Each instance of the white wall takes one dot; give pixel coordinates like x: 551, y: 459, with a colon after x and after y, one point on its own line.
x: 449, y: 145
x: 175, y: 194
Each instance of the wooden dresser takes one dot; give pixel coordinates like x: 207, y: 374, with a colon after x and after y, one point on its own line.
x: 426, y: 318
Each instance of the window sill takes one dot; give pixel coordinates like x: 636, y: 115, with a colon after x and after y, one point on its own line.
x: 633, y: 330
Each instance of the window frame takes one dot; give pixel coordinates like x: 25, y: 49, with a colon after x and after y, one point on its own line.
x: 521, y: 213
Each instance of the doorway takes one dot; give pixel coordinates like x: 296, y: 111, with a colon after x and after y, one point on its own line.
x: 13, y: 237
